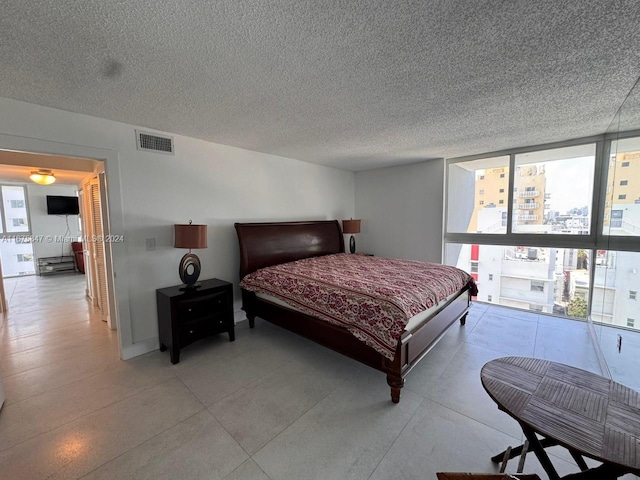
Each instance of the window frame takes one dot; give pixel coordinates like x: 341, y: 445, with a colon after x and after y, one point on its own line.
x: 13, y: 235
x: 594, y: 241
x: 538, y: 284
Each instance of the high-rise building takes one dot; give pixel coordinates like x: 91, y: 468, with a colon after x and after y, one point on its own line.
x: 491, y: 197
x: 529, y: 194
x: 490, y: 192
x: 622, y: 202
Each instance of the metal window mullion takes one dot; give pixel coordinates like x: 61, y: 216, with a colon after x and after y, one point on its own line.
x: 4, y: 217
x: 523, y: 239
x: 26, y: 206
x: 601, y: 182
x: 592, y: 280
x: 512, y: 173
x: 445, y: 213
x: 597, y: 212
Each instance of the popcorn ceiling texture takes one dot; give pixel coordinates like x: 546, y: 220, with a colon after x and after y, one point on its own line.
x: 353, y: 84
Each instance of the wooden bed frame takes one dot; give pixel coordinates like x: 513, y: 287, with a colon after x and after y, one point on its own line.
x: 266, y: 244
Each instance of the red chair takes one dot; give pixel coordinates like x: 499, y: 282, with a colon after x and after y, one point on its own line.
x: 79, y: 255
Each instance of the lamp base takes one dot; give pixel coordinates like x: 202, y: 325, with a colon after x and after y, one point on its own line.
x: 186, y: 288
x: 189, y: 269
x: 352, y: 244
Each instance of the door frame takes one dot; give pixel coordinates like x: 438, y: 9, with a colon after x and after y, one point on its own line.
x: 117, y: 272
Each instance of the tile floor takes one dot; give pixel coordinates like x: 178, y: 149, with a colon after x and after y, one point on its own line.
x: 270, y: 405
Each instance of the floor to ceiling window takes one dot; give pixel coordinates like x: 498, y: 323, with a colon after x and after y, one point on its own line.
x: 551, y: 229
x: 16, y: 249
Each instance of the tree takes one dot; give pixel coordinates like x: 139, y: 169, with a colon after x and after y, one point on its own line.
x: 578, y: 307
x: 582, y: 260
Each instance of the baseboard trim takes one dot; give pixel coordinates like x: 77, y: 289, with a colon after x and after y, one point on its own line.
x: 239, y: 316
x: 140, y: 348
x: 153, y: 343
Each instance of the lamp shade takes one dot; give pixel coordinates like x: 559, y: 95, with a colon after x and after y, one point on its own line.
x: 190, y: 236
x: 351, y: 226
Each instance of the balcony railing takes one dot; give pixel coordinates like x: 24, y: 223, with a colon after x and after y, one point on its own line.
x: 529, y: 194
x: 528, y: 206
x: 622, y: 227
x: 527, y: 218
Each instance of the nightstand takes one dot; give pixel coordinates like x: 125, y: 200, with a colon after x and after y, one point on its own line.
x: 185, y: 316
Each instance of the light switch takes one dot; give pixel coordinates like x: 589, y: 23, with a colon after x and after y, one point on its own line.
x: 149, y: 244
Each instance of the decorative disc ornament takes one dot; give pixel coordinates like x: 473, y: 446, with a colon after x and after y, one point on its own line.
x: 189, y: 269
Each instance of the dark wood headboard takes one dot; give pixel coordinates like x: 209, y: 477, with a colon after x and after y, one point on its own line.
x: 266, y: 244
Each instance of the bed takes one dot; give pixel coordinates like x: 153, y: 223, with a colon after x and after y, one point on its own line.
x: 273, y: 244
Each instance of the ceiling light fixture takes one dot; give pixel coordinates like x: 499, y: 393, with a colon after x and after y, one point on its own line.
x: 42, y: 177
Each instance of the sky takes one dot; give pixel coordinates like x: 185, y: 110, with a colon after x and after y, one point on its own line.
x: 570, y: 183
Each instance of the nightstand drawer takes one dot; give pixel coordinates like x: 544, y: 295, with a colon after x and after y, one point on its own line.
x: 199, y: 307
x: 193, y: 331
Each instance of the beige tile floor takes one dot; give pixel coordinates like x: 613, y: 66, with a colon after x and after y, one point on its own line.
x: 270, y: 405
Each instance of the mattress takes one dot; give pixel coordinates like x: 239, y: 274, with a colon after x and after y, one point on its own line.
x: 414, y: 322
x: 372, y: 297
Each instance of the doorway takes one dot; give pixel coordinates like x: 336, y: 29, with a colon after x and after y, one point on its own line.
x: 116, y: 252
x: 61, y: 224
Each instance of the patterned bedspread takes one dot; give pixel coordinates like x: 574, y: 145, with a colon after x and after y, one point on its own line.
x: 372, y: 297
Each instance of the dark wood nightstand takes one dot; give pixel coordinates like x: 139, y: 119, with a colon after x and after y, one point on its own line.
x: 185, y: 316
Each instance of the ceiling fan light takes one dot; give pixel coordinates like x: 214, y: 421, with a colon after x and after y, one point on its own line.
x: 43, y: 177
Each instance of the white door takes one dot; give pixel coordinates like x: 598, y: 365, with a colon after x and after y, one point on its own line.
x: 85, y: 233
x: 108, y: 259
x: 101, y: 290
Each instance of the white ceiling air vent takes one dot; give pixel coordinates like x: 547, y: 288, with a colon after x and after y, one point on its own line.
x: 150, y: 142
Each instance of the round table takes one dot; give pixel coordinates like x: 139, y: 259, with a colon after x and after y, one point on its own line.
x: 588, y: 414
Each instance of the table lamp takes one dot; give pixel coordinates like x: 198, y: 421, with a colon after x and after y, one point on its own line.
x: 351, y: 226
x: 190, y: 236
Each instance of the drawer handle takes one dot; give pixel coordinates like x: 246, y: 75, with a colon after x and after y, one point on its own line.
x: 190, y: 331
x: 189, y: 310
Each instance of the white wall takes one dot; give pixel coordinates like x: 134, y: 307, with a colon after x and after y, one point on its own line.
x: 401, y: 211
x: 50, y: 225
x: 206, y: 182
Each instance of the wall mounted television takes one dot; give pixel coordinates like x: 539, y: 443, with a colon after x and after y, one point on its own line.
x: 58, y: 205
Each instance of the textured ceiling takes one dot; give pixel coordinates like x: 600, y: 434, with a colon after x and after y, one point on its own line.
x: 354, y: 84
